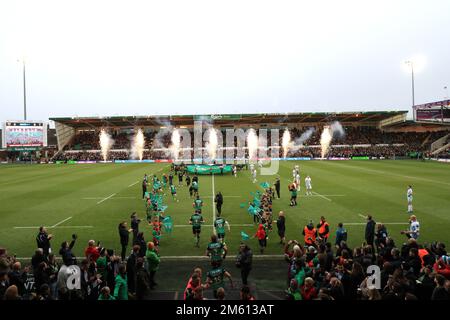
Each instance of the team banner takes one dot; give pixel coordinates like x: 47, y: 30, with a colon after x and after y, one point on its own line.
x: 208, y: 169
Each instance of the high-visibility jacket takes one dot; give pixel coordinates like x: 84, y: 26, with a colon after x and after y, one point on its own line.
x: 422, y: 253
x: 310, y: 235
x: 323, y: 233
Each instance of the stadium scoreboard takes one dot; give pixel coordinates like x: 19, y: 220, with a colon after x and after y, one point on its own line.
x: 24, y: 135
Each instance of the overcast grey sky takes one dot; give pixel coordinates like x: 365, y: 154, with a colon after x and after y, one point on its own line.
x: 105, y: 58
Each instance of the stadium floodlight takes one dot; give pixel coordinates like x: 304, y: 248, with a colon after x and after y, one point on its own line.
x: 22, y: 60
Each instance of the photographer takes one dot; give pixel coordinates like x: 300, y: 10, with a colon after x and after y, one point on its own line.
x: 244, y: 261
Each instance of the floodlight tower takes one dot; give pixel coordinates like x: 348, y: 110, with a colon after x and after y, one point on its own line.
x: 410, y: 63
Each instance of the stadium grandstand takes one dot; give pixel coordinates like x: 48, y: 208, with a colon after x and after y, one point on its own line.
x: 373, y: 134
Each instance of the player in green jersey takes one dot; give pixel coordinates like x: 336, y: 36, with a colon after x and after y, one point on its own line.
x: 215, y: 278
x: 198, y: 204
x: 195, y: 188
x: 196, y: 222
x: 219, y: 225
x: 216, y: 250
x: 173, y: 191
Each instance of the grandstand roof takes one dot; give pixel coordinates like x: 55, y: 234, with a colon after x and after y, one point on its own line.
x: 366, y: 118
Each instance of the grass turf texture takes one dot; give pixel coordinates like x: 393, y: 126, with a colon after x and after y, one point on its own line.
x: 34, y: 195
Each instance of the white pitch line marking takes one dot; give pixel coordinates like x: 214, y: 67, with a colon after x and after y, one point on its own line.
x: 362, y: 216
x: 61, y: 222
x: 133, y: 184
x: 211, y: 225
x: 57, y: 227
x: 106, y: 198
x: 363, y: 224
x: 224, y: 196
x: 213, y: 205
x: 322, y: 196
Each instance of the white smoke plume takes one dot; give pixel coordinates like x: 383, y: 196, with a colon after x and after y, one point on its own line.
x: 286, y: 142
x: 304, y: 137
x: 212, y: 143
x: 164, y: 134
x: 106, y: 143
x: 175, y: 146
x: 329, y: 132
x: 138, y: 145
x: 252, y: 144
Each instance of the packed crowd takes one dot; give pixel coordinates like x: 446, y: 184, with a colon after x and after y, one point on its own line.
x: 377, y: 144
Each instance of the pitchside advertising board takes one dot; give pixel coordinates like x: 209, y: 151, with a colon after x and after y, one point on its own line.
x: 24, y: 135
x: 433, y: 112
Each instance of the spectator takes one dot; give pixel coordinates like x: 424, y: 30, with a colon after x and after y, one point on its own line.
x: 43, y: 240
x: 142, y: 280
x: 140, y: 241
x: 308, y: 291
x: 131, y: 269
x: 124, y: 234
x: 440, y: 292
x: 37, y: 259
x: 91, y: 252
x: 381, y: 236
x: 105, y: 294
x: 341, y: 234
x: 135, y: 227
x: 370, y: 230
x: 17, y: 278
x: 221, y: 294
x: 245, y: 294
x: 11, y: 293
x: 121, y: 284
x: 153, y: 260
x: 244, y: 261
x: 66, y: 251
x: 194, y: 282
x: 262, y: 238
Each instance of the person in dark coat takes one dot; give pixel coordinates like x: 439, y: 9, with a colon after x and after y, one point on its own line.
x: 188, y: 181
x: 17, y: 278
x: 37, y: 259
x: 281, y: 226
x: 43, y: 240
x: 144, y: 188
x: 135, y: 226
x: 219, y: 202
x: 277, y: 187
x: 440, y: 292
x: 370, y: 230
x: 66, y: 251
x: 131, y: 269
x: 124, y: 234
x: 140, y: 241
x: 244, y: 261
x: 142, y: 280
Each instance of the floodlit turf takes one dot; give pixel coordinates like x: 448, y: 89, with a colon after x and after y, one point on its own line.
x: 95, y: 198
